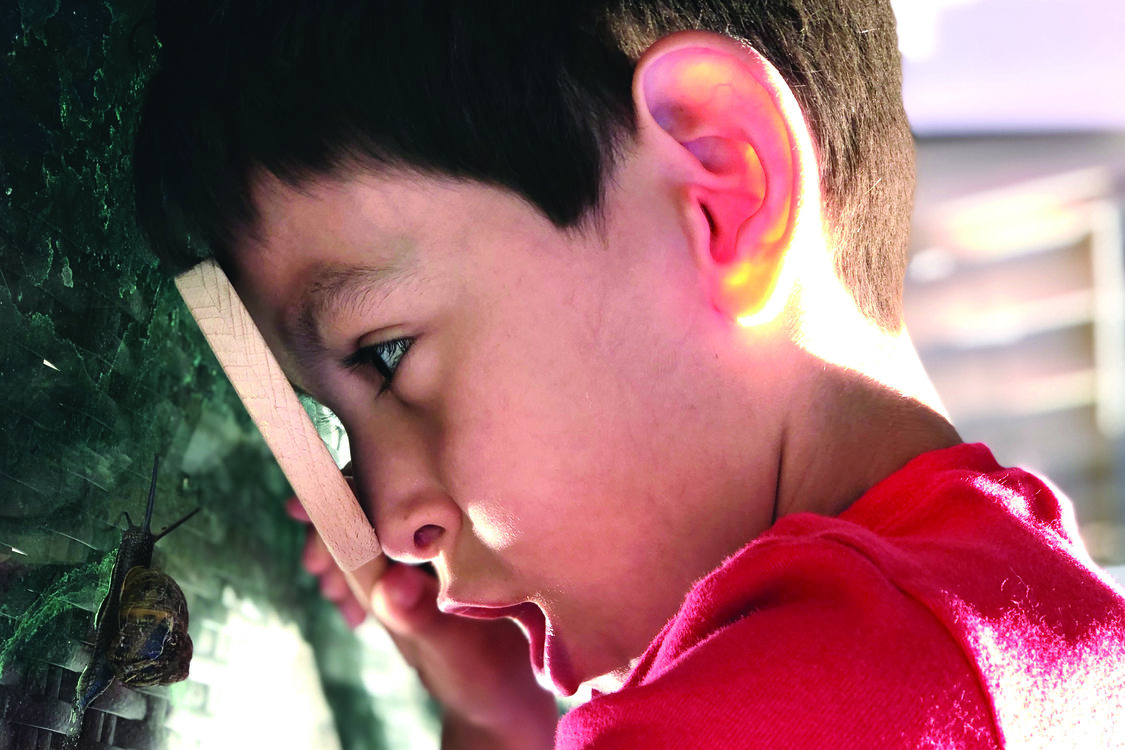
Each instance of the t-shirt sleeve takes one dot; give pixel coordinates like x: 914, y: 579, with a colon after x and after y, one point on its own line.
x: 819, y: 649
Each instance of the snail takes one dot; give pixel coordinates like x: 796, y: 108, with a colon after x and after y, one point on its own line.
x: 141, y: 626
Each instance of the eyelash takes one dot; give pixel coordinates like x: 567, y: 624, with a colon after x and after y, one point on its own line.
x: 385, y: 356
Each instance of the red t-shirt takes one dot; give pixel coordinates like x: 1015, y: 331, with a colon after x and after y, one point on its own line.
x: 952, y: 606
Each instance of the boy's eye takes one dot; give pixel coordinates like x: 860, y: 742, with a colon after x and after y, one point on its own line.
x: 384, y: 356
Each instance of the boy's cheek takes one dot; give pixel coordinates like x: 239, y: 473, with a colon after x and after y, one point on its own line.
x: 495, y: 526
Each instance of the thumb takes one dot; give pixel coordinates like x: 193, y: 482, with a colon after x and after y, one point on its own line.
x: 404, y: 599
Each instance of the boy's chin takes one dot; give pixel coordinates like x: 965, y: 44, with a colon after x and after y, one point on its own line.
x: 610, y: 682
x: 583, y: 691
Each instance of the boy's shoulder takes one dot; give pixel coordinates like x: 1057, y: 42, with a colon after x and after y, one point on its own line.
x: 945, y: 602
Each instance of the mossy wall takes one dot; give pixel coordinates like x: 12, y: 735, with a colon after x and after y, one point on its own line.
x: 101, y: 366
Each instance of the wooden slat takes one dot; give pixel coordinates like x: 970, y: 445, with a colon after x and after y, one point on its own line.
x: 273, y: 405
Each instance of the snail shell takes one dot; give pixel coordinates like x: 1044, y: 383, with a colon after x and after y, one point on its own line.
x: 152, y: 645
x: 141, y: 627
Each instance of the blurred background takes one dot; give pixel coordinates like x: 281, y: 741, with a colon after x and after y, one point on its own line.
x: 1015, y: 298
x: 1015, y: 293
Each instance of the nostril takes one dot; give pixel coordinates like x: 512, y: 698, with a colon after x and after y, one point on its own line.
x: 426, y: 536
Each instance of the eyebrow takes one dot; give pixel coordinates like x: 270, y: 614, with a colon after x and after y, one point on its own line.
x: 330, y: 290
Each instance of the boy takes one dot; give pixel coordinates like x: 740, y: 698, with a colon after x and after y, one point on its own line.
x: 606, y: 295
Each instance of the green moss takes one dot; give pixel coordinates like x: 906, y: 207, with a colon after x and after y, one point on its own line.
x: 33, y: 633
x: 129, y: 374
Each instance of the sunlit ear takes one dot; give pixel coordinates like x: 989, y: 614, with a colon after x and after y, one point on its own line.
x: 725, y: 126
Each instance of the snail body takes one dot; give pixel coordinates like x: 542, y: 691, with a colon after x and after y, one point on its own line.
x: 141, y: 627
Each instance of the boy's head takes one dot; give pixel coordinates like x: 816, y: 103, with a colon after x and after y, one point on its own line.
x: 506, y: 245
x: 532, y: 97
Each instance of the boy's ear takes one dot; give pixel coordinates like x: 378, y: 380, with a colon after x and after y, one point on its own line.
x: 726, y: 128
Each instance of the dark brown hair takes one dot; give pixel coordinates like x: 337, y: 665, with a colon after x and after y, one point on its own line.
x: 534, y: 97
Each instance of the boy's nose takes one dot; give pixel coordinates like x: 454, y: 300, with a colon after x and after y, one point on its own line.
x: 413, y: 529
x: 414, y: 517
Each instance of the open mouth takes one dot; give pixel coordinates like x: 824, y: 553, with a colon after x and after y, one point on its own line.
x: 548, y: 655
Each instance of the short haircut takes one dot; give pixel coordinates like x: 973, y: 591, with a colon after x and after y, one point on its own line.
x: 529, y: 95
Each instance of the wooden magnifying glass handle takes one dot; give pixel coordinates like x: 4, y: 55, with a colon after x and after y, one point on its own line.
x: 269, y: 398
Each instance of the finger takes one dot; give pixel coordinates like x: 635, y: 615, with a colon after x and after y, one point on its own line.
x: 296, y: 511
x: 401, y: 604
x: 316, y: 557
x: 362, y: 580
x: 404, y: 599
x: 353, y: 612
x: 334, y: 587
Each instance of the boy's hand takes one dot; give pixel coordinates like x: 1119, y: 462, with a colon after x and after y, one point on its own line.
x: 317, y: 560
x: 478, y: 670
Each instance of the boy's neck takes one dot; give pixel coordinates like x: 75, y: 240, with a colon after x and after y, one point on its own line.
x: 850, y: 433
x: 861, y: 406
